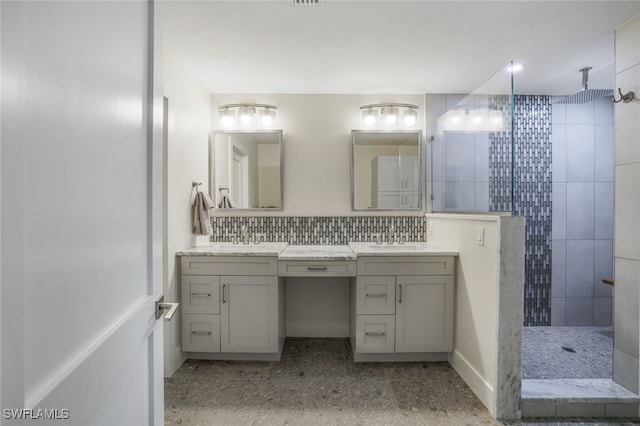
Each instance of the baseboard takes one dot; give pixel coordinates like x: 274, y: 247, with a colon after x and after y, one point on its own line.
x: 479, y: 386
x: 317, y: 329
x: 223, y: 356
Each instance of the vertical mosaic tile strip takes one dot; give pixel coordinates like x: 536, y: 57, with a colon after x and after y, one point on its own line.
x: 532, y: 194
x: 316, y: 230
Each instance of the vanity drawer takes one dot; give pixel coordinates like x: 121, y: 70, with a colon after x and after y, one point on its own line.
x: 405, y: 265
x: 200, y: 294
x: 200, y: 333
x: 375, y: 333
x: 376, y: 295
x: 229, y: 265
x: 317, y: 268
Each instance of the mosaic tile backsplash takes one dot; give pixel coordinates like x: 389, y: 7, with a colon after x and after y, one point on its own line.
x: 532, y: 193
x: 318, y: 230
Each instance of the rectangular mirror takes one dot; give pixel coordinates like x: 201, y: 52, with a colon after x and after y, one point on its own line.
x: 245, y: 169
x: 386, y: 170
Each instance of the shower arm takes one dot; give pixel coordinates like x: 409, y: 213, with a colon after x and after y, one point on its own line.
x: 585, y: 77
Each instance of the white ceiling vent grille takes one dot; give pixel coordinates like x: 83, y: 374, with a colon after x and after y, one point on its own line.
x: 305, y: 3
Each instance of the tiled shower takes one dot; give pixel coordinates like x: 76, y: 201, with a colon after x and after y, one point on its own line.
x: 563, y: 185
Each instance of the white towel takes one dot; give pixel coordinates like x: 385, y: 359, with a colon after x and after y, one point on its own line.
x: 201, y: 221
x: 226, y: 202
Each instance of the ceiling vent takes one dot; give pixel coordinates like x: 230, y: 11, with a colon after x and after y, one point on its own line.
x: 305, y: 3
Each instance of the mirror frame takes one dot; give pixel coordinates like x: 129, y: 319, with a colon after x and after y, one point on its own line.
x: 421, y: 162
x: 212, y: 178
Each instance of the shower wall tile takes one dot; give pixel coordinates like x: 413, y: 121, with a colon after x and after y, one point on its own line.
x: 558, y: 268
x: 627, y: 211
x: 603, y: 211
x: 532, y: 197
x: 439, y: 157
x: 559, y: 211
x: 602, y: 311
x: 626, y: 333
x: 439, y: 196
x: 603, y: 111
x: 453, y: 100
x: 559, y: 151
x: 460, y: 157
x: 580, y: 219
x: 578, y: 311
x: 558, y: 309
x: 604, y: 155
x: 603, y: 268
x: 558, y: 111
x: 580, y: 153
x: 581, y: 113
x: 580, y: 255
x: 482, y: 196
x: 482, y: 158
x: 627, y: 146
x: 461, y: 196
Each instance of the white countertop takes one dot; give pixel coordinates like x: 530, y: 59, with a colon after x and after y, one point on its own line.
x: 326, y: 252
x: 230, y: 249
x: 285, y: 251
x: 406, y: 249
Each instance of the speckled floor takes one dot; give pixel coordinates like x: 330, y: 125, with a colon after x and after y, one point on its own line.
x: 543, y: 356
x: 316, y: 382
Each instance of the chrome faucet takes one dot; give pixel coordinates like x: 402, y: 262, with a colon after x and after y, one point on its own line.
x: 244, y: 232
x: 391, y: 234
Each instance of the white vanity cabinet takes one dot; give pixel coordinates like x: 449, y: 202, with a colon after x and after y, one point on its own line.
x: 395, y: 182
x: 231, y: 305
x: 402, y: 305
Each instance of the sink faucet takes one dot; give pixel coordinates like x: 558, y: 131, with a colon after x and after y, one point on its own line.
x: 391, y: 234
x: 245, y: 234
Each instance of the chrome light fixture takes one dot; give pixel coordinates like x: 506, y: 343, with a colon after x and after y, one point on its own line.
x: 388, y: 115
x: 245, y: 115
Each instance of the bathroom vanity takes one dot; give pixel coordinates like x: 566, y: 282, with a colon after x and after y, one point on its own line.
x: 401, y: 298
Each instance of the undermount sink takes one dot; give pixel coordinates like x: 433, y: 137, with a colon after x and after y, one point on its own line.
x: 393, y: 247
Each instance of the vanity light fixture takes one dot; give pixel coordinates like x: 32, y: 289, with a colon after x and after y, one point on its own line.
x: 247, y: 115
x: 388, y: 115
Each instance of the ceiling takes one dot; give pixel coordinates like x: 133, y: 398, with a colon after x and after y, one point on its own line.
x: 393, y: 46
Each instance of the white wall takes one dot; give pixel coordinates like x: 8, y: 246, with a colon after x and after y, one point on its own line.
x: 488, y: 304
x: 317, y: 148
x: 627, y: 209
x: 189, y: 124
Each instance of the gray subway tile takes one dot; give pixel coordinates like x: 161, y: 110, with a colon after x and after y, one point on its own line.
x: 580, y: 153
x: 579, y: 311
x: 579, y: 279
x: 580, y: 210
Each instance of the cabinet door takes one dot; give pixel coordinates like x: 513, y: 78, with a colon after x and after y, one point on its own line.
x: 249, y: 314
x: 424, y: 314
x: 376, y: 295
x: 200, y: 294
x: 200, y: 333
x: 389, y: 200
x: 410, y: 174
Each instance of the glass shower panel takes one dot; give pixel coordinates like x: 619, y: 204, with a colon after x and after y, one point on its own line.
x: 471, y: 138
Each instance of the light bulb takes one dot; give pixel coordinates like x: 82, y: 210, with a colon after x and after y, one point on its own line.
x: 227, y: 117
x: 369, y: 117
x: 267, y: 117
x: 390, y: 115
x: 514, y: 68
x: 246, y: 115
x: 456, y: 119
x: 410, y: 117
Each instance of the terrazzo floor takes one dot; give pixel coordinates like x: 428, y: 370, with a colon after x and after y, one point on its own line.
x: 317, y: 383
x: 590, y: 353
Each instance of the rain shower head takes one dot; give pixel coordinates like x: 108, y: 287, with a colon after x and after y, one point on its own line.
x: 585, y: 95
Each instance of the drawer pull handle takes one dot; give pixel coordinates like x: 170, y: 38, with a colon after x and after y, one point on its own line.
x: 400, y: 291
x: 316, y: 268
x: 375, y: 333
x: 201, y: 294
x: 202, y: 333
x: 224, y: 299
x: 376, y: 295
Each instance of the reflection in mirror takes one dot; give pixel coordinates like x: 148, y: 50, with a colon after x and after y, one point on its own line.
x: 245, y: 169
x: 386, y: 170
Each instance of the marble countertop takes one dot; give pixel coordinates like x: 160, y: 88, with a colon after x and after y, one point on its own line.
x: 406, y: 249
x: 230, y: 249
x: 327, y: 252
x: 285, y: 251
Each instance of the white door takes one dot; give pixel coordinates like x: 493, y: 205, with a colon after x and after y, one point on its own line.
x: 81, y: 211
